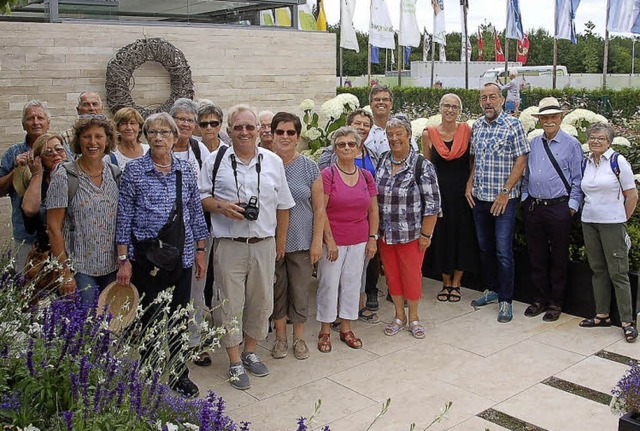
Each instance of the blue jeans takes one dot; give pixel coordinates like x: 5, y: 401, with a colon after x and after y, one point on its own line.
x: 89, y: 286
x: 495, y: 238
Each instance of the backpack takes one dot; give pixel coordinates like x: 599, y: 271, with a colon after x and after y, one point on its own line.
x: 72, y: 177
x: 613, y: 162
x: 195, y: 147
x: 216, y: 165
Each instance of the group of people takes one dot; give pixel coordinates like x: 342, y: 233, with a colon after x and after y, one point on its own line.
x: 236, y: 220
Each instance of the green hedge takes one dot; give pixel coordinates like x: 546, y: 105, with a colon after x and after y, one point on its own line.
x: 624, y: 103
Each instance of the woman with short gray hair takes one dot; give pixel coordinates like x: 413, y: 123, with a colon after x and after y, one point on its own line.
x: 610, y: 198
x: 185, y: 113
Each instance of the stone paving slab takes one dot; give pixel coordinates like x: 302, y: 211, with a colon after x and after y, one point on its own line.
x: 595, y: 373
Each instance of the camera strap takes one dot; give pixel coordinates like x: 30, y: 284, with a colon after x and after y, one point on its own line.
x: 234, y: 166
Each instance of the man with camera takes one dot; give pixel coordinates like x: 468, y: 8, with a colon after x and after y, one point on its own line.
x: 246, y: 193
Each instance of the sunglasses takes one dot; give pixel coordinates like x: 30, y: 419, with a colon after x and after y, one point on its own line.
x: 241, y: 127
x: 350, y: 144
x: 57, y: 149
x: 281, y: 132
x: 204, y: 124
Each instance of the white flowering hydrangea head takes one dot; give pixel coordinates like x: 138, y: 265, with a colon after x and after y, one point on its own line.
x: 569, y: 129
x: 311, y: 134
x: 527, y: 119
x: 417, y: 126
x: 620, y: 140
x: 471, y: 121
x: 534, y: 134
x: 578, y: 116
x: 368, y: 109
x: 585, y: 148
x: 332, y: 108
x: 434, y: 120
x: 349, y: 100
x: 307, y: 105
x: 637, y: 178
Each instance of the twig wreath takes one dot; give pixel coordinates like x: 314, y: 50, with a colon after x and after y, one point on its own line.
x: 120, y: 80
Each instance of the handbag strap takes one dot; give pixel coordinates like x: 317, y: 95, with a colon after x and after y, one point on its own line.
x: 554, y: 162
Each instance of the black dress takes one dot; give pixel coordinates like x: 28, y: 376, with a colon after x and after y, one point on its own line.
x: 454, y: 245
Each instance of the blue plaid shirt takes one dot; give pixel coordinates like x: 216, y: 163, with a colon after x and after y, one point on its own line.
x: 496, y: 146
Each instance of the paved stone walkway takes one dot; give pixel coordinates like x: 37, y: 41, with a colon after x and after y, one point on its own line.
x: 485, y: 368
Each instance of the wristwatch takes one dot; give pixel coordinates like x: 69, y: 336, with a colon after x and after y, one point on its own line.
x: 504, y: 191
x: 122, y: 258
x: 374, y: 236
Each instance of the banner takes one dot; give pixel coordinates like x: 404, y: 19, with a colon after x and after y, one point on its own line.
x: 426, y: 45
x: 266, y: 18
x: 443, y: 53
x: 623, y: 16
x: 565, y: 23
x: 348, y: 38
x: 381, y: 32
x: 523, y: 50
x: 306, y: 21
x: 409, y: 34
x: 480, y: 45
x: 465, y: 49
x: 375, y: 55
x: 322, y: 17
x: 283, y: 17
x: 514, y: 20
x: 439, y: 32
x: 499, y: 52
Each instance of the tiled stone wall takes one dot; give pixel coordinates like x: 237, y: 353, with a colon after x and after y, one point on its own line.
x: 267, y: 68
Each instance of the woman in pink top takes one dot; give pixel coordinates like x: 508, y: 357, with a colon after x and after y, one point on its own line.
x: 350, y: 233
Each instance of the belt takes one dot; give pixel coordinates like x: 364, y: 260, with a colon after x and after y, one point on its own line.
x: 548, y: 202
x: 247, y: 240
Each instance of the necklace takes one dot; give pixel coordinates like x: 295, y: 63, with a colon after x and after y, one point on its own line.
x: 399, y: 162
x: 345, y: 172
x: 291, y: 159
x: 158, y: 165
x: 98, y: 175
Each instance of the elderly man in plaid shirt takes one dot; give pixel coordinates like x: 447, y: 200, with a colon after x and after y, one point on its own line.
x: 499, y: 149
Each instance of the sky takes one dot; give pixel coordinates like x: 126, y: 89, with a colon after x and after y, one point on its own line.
x: 535, y: 14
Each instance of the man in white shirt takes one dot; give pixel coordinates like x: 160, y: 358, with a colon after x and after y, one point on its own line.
x: 381, y: 103
x: 248, y: 201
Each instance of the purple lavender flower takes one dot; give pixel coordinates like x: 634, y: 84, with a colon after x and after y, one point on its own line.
x: 68, y: 419
x: 302, y: 426
x: 30, y: 358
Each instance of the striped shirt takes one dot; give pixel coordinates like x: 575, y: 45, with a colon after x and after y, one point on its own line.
x: 301, y: 174
x: 146, y: 199
x: 399, y: 199
x: 92, y: 213
x: 495, y: 146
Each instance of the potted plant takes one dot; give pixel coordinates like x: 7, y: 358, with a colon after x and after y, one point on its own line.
x: 626, y: 399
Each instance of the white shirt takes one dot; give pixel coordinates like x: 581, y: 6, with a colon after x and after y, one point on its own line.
x: 190, y: 157
x: 274, y: 192
x: 603, y: 199
x: 377, y: 140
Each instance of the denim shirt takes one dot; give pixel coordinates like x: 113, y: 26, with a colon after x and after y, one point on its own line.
x: 7, y: 165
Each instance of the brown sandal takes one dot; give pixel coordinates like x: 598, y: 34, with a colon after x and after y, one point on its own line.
x: 351, y: 340
x: 324, y: 343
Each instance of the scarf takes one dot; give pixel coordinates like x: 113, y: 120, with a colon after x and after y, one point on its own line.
x: 460, y: 141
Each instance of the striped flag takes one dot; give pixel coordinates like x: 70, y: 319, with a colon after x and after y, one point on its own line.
x: 514, y: 21
x: 565, y: 22
x: 480, y: 45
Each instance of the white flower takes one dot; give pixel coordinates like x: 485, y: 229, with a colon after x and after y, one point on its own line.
x: 348, y: 99
x: 434, y: 120
x: 619, y: 140
x: 527, y: 119
x: 417, y: 127
x: 192, y: 427
x: 637, y: 177
x: 368, y: 109
x: 471, y: 121
x: 585, y: 148
x: 171, y: 426
x: 578, y: 116
x: 312, y: 134
x: 332, y: 108
x: 307, y: 105
x: 534, y: 133
x: 569, y: 129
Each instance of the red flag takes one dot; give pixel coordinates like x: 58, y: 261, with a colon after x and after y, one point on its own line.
x: 499, y: 52
x: 523, y: 50
x: 480, y: 45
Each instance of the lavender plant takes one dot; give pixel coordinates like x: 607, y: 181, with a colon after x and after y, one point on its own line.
x: 626, y: 394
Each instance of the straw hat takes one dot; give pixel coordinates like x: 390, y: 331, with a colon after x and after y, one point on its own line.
x: 121, y: 301
x: 21, y: 179
x: 549, y: 106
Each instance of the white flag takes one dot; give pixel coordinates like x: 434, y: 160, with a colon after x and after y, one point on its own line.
x: 409, y: 34
x: 439, y: 33
x: 622, y: 15
x: 464, y: 39
x: 348, y: 38
x: 380, y: 28
x: 443, y: 54
x: 426, y: 47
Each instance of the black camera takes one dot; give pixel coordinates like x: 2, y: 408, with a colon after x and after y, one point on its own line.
x: 251, y: 210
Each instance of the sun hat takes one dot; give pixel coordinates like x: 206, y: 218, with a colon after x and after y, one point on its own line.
x: 21, y: 179
x: 121, y: 301
x: 549, y: 106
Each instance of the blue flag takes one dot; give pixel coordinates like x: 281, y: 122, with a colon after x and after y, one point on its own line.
x: 407, y: 53
x: 514, y: 20
x: 375, y: 59
x: 565, y: 23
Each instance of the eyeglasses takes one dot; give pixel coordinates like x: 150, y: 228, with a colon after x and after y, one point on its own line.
x: 598, y: 139
x: 492, y: 98
x: 350, y: 144
x: 93, y: 116
x: 204, y: 124
x: 358, y: 123
x: 281, y: 132
x: 446, y: 106
x: 381, y: 99
x: 241, y: 127
x: 185, y: 120
x: 164, y: 133
x: 265, y: 126
x: 57, y: 149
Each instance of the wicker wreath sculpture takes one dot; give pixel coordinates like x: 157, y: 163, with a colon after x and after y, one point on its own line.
x: 120, y: 80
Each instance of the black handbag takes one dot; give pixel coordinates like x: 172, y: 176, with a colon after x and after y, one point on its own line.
x: 165, y: 251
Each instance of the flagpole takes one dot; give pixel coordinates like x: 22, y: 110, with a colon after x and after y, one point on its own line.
x: 433, y: 48
x: 465, y: 5
x: 506, y: 48
x: 555, y: 46
x: 400, y: 63
x: 341, y: 67
x: 369, y: 47
x: 340, y: 53
x: 606, y: 49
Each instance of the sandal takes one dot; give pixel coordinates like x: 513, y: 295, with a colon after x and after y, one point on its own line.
x: 202, y: 360
x: 324, y: 343
x: 335, y: 326
x: 351, y: 340
x: 444, y: 294
x: 601, y: 322
x: 368, y: 316
x: 454, y: 294
x: 394, y: 327
x: 630, y: 333
x: 417, y: 329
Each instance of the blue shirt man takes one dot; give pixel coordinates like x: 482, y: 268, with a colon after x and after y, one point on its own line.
x: 499, y: 149
x: 36, y: 120
x: 551, y: 195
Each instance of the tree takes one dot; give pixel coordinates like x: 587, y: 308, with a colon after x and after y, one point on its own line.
x: 7, y: 5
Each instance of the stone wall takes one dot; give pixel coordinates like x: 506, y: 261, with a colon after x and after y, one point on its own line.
x: 267, y: 68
